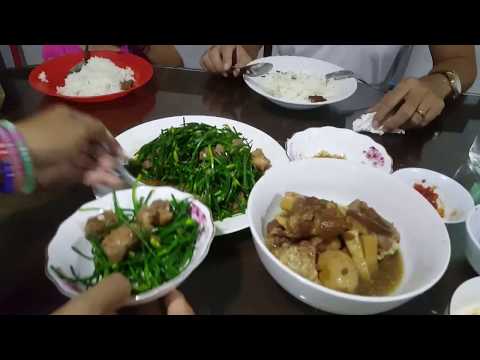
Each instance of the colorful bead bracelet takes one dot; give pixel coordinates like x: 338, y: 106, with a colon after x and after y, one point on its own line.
x: 16, y: 165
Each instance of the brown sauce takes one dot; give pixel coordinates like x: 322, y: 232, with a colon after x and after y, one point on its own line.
x: 386, y: 279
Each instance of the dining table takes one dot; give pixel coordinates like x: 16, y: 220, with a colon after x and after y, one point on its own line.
x: 232, y: 279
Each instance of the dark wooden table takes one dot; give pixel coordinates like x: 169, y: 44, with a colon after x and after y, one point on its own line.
x: 231, y: 280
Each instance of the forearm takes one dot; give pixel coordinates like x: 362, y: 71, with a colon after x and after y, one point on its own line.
x: 252, y: 50
x: 457, y: 58
x: 165, y: 55
x: 463, y: 67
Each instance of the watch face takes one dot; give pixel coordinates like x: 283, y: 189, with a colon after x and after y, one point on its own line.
x: 455, y: 81
x: 459, y: 85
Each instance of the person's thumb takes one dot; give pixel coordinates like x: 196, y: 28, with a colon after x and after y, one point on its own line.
x: 105, y: 298
x: 176, y: 304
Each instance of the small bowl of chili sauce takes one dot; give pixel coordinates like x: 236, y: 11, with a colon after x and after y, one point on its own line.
x: 449, y: 198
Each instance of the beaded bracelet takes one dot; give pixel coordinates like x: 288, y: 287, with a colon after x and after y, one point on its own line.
x: 18, y: 160
x: 8, y: 183
x: 8, y: 174
x: 3, y: 158
x: 14, y: 158
x: 29, y: 182
x: 3, y: 151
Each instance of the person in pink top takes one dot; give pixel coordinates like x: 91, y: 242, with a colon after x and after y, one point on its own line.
x: 164, y: 55
x: 52, y: 51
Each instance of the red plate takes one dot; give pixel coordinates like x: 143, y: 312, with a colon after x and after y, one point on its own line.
x: 57, y: 70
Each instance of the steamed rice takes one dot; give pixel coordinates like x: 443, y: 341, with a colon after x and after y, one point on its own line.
x: 43, y: 77
x: 294, y: 86
x: 99, y: 76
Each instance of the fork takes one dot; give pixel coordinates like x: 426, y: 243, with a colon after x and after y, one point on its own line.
x: 345, y: 74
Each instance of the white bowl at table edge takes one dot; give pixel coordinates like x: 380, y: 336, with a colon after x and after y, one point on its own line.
x: 472, y: 247
x: 461, y: 298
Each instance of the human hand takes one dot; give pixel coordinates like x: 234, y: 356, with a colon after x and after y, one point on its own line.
x: 67, y: 146
x: 219, y: 59
x: 105, y: 298
x: 102, y: 47
x: 111, y: 294
x: 412, y: 103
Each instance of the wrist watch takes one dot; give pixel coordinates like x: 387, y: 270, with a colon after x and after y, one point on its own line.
x: 453, y: 80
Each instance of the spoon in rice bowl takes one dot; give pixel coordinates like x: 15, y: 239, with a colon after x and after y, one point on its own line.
x: 253, y: 70
x: 78, y: 67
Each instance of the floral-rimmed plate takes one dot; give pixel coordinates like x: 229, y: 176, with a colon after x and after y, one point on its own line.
x: 60, y: 254
x: 344, y: 144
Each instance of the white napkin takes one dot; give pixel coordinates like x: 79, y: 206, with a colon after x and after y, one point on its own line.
x: 364, y: 123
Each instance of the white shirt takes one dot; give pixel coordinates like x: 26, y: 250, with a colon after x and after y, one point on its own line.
x: 372, y: 63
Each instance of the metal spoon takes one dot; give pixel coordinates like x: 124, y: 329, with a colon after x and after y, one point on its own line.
x: 124, y: 174
x: 255, y: 70
x: 127, y: 178
x: 86, y: 57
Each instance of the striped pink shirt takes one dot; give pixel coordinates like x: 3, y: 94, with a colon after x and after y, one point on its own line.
x: 53, y: 51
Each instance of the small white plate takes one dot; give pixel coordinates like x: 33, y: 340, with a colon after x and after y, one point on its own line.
x: 472, y: 245
x: 133, y: 139
x: 343, y: 88
x: 466, y: 298
x: 71, y: 233
x: 457, y: 201
x: 338, y: 141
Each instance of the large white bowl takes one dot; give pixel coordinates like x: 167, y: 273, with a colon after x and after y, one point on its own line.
x: 311, y: 66
x: 71, y: 233
x: 472, y: 247
x: 424, y: 244
x: 133, y: 139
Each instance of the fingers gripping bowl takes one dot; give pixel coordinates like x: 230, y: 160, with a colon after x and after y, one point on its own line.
x: 424, y: 246
x: 155, y: 236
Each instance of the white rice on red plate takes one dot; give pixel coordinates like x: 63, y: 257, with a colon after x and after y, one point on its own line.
x: 43, y: 77
x: 100, y: 76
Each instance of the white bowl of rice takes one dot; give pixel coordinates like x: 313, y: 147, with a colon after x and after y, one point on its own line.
x: 298, y: 83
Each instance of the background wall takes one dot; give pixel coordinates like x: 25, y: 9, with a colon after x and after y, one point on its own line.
x: 420, y: 61
x: 5, y: 53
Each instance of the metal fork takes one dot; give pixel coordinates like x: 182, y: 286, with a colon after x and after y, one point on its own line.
x: 345, y: 74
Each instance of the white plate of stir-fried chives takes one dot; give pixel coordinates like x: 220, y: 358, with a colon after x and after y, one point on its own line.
x: 187, y: 156
x: 155, y: 236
